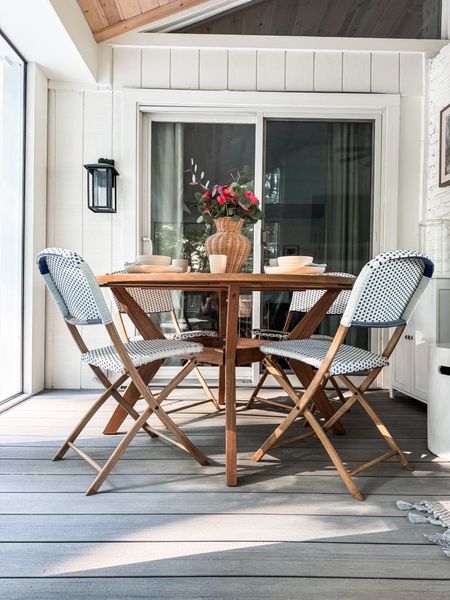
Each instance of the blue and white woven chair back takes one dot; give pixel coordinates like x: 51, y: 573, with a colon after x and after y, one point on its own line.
x: 304, y: 301
x: 151, y: 301
x: 388, y: 289
x: 73, y: 286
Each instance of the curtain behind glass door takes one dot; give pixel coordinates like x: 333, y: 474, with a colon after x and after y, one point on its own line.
x: 318, y: 202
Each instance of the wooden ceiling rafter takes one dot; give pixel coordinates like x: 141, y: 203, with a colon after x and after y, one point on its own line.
x: 109, y: 18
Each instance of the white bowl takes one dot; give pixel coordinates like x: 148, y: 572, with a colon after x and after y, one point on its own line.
x: 153, y: 259
x: 298, y: 261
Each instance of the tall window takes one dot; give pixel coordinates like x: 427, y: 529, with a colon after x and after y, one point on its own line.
x: 12, y: 123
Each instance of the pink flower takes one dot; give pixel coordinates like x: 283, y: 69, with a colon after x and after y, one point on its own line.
x: 207, y: 194
x: 253, y: 199
x: 221, y: 200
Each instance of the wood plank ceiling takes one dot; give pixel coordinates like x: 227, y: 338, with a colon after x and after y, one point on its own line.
x: 344, y: 18
x: 108, y: 18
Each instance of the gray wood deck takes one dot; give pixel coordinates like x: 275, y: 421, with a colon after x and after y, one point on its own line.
x: 164, y: 527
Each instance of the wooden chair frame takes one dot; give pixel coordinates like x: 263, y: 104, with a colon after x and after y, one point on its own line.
x: 111, y: 390
x: 265, y: 374
x: 211, y: 398
x: 302, y: 408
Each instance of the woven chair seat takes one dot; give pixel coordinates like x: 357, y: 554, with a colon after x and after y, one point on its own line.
x: 141, y: 353
x: 349, y: 359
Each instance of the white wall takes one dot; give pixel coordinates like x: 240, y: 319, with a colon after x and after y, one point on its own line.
x: 438, y: 199
x: 86, y: 124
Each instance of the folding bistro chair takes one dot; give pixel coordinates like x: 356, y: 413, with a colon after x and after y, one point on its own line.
x: 301, y: 302
x: 80, y: 301
x: 384, y: 295
x: 157, y: 302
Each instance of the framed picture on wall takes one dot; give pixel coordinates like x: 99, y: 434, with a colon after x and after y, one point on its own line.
x: 444, y: 147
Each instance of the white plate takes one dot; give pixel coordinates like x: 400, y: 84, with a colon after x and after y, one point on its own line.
x: 294, y: 261
x: 309, y: 270
x: 153, y: 269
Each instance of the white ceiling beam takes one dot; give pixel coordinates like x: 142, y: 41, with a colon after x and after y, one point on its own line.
x: 186, y: 40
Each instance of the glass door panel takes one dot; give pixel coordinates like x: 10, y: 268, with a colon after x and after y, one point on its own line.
x: 318, y: 202
x: 217, y: 150
x: 12, y: 89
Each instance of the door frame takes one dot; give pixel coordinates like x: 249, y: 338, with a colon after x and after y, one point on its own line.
x: 382, y: 109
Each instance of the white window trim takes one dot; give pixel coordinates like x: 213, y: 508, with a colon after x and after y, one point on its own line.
x: 383, y: 109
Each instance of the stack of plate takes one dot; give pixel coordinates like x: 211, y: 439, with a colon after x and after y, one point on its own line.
x: 295, y: 265
x: 152, y: 263
x: 137, y: 268
x: 306, y: 270
x: 294, y: 261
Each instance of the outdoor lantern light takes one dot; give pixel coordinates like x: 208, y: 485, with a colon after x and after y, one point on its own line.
x: 101, y: 186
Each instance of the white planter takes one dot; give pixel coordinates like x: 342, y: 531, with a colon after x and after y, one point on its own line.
x: 439, y: 401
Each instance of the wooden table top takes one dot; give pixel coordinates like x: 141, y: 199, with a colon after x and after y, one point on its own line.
x: 222, y: 281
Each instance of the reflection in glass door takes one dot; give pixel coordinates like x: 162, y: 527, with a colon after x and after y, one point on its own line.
x: 218, y: 151
x: 318, y: 201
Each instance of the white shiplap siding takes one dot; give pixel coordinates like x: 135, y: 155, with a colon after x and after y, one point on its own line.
x: 269, y: 69
x: 84, y: 125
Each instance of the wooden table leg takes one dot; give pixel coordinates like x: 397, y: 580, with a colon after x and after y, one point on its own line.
x: 148, y: 330
x: 230, y: 386
x: 222, y: 333
x: 304, y: 329
x: 131, y: 395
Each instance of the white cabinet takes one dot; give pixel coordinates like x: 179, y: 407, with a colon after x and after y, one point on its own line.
x: 430, y: 324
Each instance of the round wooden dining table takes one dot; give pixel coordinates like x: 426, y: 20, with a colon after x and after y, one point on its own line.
x: 230, y: 350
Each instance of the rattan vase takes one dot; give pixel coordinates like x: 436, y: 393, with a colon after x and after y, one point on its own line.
x: 229, y: 241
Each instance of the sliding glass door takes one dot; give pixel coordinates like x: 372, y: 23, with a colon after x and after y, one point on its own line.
x: 318, y: 201
x: 12, y: 90
x: 315, y: 178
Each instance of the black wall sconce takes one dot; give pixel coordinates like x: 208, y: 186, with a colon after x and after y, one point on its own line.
x: 101, y: 186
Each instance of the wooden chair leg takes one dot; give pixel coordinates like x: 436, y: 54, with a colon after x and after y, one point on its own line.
x: 154, y: 404
x: 206, y: 387
x: 173, y: 428
x: 259, y: 385
x: 115, y: 456
x: 296, y: 412
x: 385, y: 433
x: 332, y: 453
x: 88, y: 416
x: 387, y: 436
x: 337, y: 389
x: 153, y: 408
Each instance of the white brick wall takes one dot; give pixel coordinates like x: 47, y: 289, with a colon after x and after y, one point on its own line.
x: 438, y: 199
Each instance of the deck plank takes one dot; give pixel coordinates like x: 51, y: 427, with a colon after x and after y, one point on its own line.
x: 244, y: 588
x: 165, y: 527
